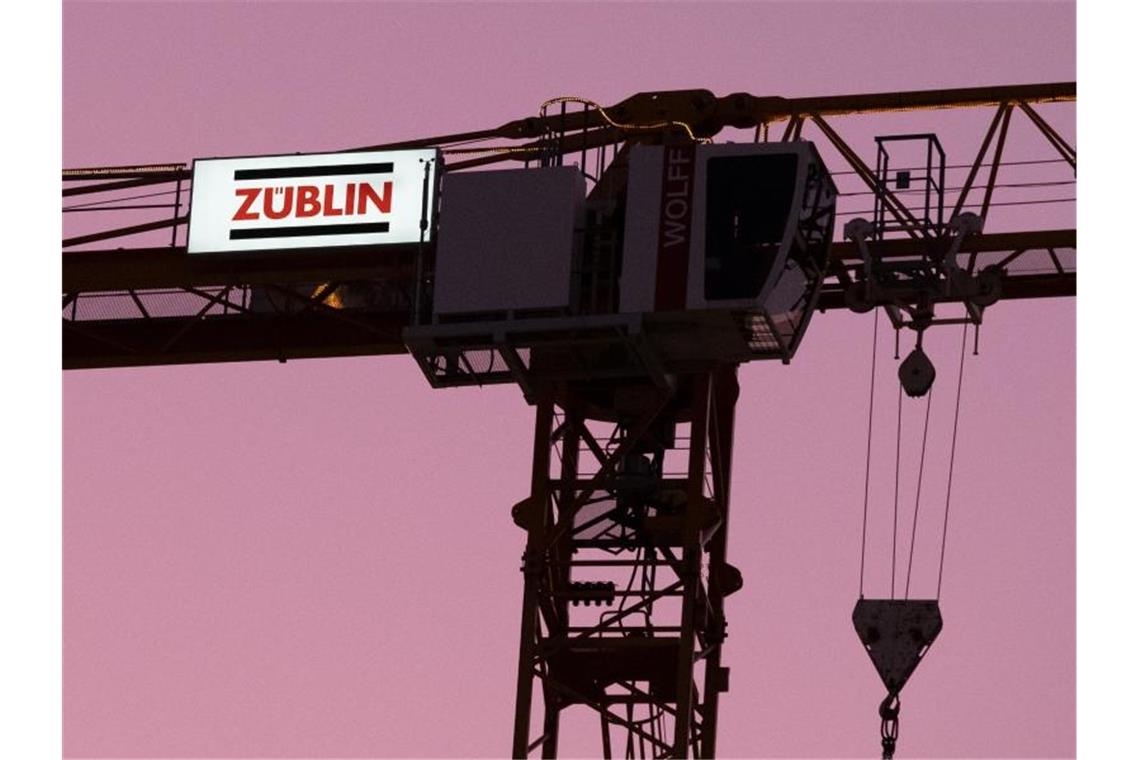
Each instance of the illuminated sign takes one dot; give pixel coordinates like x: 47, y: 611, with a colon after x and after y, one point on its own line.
x: 311, y: 201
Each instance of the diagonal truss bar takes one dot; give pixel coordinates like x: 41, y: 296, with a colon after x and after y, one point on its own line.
x: 589, y: 439
x: 139, y: 304
x: 605, y: 516
x: 566, y: 519
x: 124, y: 231
x: 210, y: 303
x: 898, y: 210
x: 226, y: 302
x: 606, y: 714
x: 968, y: 185
x: 792, y: 130
x: 1067, y: 151
x: 995, y: 165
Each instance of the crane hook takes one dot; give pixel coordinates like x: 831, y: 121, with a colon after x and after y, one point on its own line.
x: 889, y: 729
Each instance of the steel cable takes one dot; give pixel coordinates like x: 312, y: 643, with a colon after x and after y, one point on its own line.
x: 950, y: 476
x: 918, y: 493
x: 1039, y: 202
x: 895, y: 524
x: 1054, y: 183
x: 867, y: 477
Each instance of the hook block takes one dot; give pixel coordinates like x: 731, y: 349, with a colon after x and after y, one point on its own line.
x: 896, y: 634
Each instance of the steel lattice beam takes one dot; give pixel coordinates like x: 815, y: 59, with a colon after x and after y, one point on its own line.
x: 134, y: 340
x: 662, y: 661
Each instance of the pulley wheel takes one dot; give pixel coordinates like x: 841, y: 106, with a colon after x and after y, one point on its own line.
x: 916, y: 373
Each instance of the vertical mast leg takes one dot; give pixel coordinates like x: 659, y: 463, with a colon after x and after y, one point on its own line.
x: 532, y: 574
x: 723, y: 578
x: 690, y: 571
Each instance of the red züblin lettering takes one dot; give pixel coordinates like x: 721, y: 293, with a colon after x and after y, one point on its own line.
x: 306, y: 201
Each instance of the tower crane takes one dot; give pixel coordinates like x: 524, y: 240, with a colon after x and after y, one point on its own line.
x: 632, y: 262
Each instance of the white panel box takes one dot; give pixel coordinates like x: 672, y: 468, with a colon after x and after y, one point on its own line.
x: 507, y: 240
x: 316, y: 200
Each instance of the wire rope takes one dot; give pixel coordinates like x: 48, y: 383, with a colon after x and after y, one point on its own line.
x: 918, y: 492
x: 119, y: 200
x: 1040, y: 202
x: 1027, y: 162
x: 953, y: 448
x: 895, y: 524
x: 867, y: 477
x: 912, y: 191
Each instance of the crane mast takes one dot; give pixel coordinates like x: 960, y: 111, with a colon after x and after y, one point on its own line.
x: 609, y: 505
x: 625, y: 567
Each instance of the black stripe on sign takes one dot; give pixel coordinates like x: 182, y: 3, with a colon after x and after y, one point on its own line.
x: 308, y: 230
x: 313, y: 171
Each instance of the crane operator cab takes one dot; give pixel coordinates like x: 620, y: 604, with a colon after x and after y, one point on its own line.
x: 708, y: 253
x: 731, y: 238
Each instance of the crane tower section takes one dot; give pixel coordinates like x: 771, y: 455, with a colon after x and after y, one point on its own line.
x: 623, y: 314
x: 682, y: 257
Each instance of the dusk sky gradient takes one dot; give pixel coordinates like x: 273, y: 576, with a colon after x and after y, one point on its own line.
x: 316, y: 559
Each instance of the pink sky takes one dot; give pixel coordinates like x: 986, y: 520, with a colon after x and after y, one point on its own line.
x: 316, y: 559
